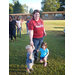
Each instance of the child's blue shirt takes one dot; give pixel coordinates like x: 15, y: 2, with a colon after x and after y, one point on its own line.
x: 29, y: 60
x: 43, y: 52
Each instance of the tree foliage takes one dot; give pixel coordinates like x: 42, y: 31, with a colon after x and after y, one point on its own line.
x: 10, y: 10
x: 25, y: 8
x: 50, y: 5
x: 16, y: 7
x: 31, y: 11
x: 62, y: 5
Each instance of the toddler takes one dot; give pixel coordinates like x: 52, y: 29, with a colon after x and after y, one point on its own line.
x: 44, y: 53
x: 30, y: 57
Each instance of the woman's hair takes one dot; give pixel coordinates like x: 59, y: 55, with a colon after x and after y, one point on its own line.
x: 44, y: 43
x: 11, y: 16
x: 35, y: 12
x: 18, y: 17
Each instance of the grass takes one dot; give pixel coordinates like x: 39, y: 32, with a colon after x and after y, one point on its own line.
x: 56, y: 44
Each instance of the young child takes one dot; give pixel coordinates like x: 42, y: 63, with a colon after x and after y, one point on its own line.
x: 30, y: 57
x: 44, y: 53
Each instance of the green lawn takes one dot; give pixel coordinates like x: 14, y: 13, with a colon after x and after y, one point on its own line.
x: 56, y: 44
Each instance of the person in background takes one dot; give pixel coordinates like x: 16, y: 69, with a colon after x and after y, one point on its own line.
x: 19, y: 26
x: 27, y: 19
x: 36, y: 32
x: 12, y: 28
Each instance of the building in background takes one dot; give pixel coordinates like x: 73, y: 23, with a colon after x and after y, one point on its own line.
x: 22, y: 16
x: 57, y: 15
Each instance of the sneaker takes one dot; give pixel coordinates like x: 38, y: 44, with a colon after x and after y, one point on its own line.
x: 45, y: 64
x: 28, y: 72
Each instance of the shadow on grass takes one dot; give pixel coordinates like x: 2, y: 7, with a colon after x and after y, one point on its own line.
x: 59, y: 27
x: 56, y: 33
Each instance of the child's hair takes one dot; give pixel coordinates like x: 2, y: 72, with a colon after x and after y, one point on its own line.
x: 28, y: 46
x: 44, y: 43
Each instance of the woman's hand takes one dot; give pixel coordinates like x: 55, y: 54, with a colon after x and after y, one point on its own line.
x: 31, y: 43
x: 45, y: 34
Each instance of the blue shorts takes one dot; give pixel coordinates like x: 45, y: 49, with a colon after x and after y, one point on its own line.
x: 41, y: 58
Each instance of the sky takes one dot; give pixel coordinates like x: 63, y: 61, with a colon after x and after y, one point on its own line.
x: 34, y: 4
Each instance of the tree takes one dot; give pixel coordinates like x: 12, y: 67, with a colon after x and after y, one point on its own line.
x: 14, y: 1
x: 50, y: 5
x: 31, y: 11
x: 25, y: 8
x: 11, y: 5
x: 62, y: 5
x: 10, y: 10
x: 18, y: 7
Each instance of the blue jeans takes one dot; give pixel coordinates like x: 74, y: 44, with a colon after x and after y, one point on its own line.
x: 19, y: 31
x: 12, y: 33
x: 37, y: 43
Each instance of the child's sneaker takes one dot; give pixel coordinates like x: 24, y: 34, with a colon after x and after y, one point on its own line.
x: 28, y: 72
x: 45, y: 64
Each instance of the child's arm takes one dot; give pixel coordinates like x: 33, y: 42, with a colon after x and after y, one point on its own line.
x: 30, y: 57
x: 47, y: 54
x: 33, y: 47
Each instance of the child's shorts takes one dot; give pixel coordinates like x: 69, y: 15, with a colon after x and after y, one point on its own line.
x: 41, y: 58
x: 29, y: 65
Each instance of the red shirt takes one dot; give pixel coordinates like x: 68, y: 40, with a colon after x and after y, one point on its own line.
x: 37, y: 27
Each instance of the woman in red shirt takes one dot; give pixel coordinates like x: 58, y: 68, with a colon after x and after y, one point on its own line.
x: 36, y: 32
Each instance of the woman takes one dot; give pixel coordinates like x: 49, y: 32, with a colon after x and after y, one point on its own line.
x: 36, y: 32
x: 19, y: 26
x: 12, y: 28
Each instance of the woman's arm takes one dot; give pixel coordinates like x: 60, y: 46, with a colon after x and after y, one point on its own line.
x: 31, y: 37
x: 45, y: 32
x: 44, y: 29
